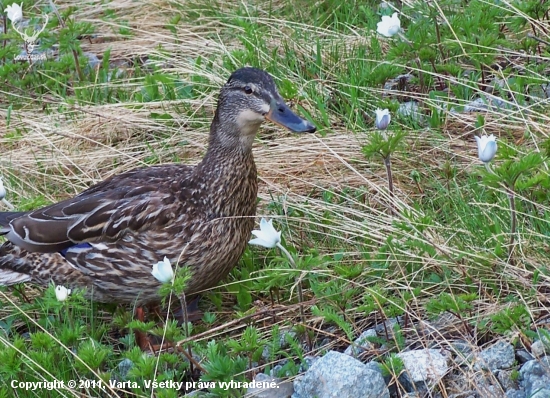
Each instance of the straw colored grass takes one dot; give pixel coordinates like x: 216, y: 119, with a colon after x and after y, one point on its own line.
x: 58, y: 150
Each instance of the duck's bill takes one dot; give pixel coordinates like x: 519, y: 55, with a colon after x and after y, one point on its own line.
x: 281, y: 114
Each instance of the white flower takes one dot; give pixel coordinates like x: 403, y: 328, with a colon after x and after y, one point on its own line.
x: 383, y: 118
x: 163, y: 271
x: 61, y: 292
x: 2, y: 189
x: 15, y: 12
x: 486, y: 147
x: 267, y: 236
x: 389, y: 26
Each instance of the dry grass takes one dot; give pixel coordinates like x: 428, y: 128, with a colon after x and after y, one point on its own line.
x: 60, y: 153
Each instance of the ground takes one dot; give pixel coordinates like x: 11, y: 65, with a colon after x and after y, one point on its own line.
x: 134, y: 83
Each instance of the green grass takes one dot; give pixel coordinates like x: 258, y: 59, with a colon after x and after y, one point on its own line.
x: 150, y: 100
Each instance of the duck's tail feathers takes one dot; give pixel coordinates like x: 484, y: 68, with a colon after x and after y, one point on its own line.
x: 6, y: 217
x: 8, y: 277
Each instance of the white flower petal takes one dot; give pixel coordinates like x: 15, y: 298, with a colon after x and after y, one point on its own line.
x: 267, y: 235
x: 61, y: 293
x: 163, y: 271
x: 383, y: 118
x: 389, y: 26
x: 486, y: 147
x: 2, y: 189
x: 259, y: 242
x: 15, y: 12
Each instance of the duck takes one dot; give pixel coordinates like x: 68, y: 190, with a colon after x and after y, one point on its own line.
x: 106, y: 239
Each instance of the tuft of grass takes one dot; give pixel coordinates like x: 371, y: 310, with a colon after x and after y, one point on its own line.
x: 441, y: 258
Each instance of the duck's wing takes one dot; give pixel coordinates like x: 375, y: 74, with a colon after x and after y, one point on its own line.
x: 153, y: 175
x: 133, y: 201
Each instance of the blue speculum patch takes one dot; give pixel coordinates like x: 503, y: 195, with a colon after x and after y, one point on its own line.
x: 84, y: 245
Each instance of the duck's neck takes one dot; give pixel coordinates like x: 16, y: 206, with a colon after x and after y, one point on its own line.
x: 231, y: 141
x: 229, y: 173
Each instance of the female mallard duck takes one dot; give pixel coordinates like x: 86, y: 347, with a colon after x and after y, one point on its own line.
x: 107, y: 238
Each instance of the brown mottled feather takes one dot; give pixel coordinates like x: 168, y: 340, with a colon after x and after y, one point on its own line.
x: 199, y: 217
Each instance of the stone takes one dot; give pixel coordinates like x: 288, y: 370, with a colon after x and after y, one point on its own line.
x: 504, y: 377
x: 523, y: 356
x: 386, y: 330
x: 465, y: 394
x: 498, y: 356
x: 515, y: 394
x: 284, y: 389
x: 124, y: 367
x: 535, y: 378
x: 93, y: 61
x: 423, y: 367
x: 361, y: 344
x: 463, y: 351
x: 541, y: 347
x: 308, y: 361
x: 542, y: 393
x: 283, y: 343
x: 337, y: 375
x: 476, y: 105
x: 374, y: 366
x: 410, y: 109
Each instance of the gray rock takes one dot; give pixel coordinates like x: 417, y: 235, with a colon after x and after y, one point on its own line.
x: 385, y: 6
x: 411, y: 110
x: 337, y: 375
x: 488, y: 101
x: 93, y: 61
x: 309, y: 360
x: 504, y: 377
x: 361, y: 344
x: 385, y: 330
x: 535, y: 377
x: 463, y: 350
x: 515, y: 394
x: 541, y: 347
x: 486, y: 389
x: 199, y: 394
x: 523, y: 356
x: 387, y: 325
x: 277, y: 369
x: 266, y: 353
x: 283, y: 389
x: 476, y: 105
x: 423, y: 368
x: 124, y: 367
x: 373, y: 365
x: 538, y: 349
x: 498, y: 356
x: 398, y: 83
x: 465, y: 394
x: 542, y: 393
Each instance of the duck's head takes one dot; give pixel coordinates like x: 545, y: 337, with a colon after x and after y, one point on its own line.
x: 249, y: 98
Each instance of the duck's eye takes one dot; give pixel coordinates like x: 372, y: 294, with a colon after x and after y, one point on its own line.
x: 248, y: 90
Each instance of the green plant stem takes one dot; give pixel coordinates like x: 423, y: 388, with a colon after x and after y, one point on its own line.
x: 420, y: 74
x: 300, y: 291
x: 530, y: 36
x: 4, y: 42
x: 513, y: 222
x: 438, y: 35
x: 387, y: 163
x: 75, y: 54
x: 8, y: 204
x: 183, y: 303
